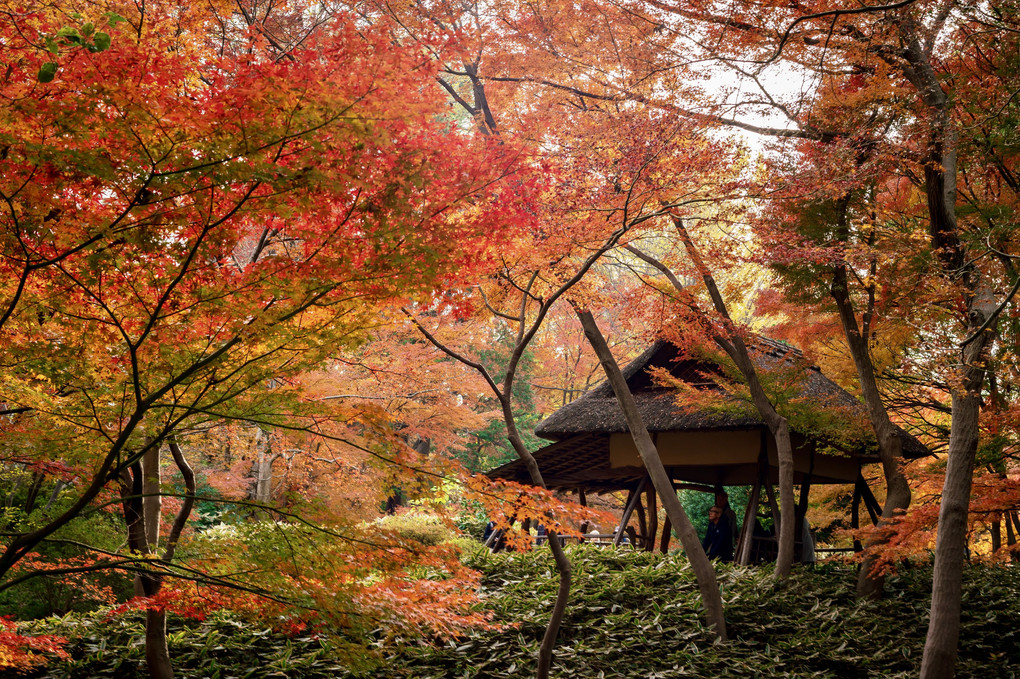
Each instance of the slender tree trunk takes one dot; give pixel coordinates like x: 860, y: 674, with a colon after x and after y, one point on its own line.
x: 563, y: 567
x: 703, y: 571
x: 736, y: 349
x: 33, y: 491
x: 59, y: 486
x: 263, y: 467
x: 890, y: 446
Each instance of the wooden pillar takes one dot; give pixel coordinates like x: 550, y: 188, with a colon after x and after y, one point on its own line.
x: 642, y: 523
x: 776, y: 516
x: 582, y: 500
x: 653, y: 520
x: 855, y: 515
x: 1011, y: 536
x: 635, y: 495
x: 744, y: 543
x: 805, y: 490
x: 667, y: 533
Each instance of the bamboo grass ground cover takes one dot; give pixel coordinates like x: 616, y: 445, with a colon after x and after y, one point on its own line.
x: 634, y: 614
x: 631, y: 614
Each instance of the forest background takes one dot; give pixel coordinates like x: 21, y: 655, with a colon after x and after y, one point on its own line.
x: 270, y: 269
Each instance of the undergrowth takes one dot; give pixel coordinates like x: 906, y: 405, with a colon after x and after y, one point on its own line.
x: 631, y: 614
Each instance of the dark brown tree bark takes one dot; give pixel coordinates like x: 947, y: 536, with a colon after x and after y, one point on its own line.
x: 703, y: 571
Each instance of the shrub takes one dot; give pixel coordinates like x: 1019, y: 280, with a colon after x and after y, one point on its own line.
x: 426, y: 529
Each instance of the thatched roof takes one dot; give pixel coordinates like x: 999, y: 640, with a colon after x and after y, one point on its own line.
x: 584, y: 428
x: 598, y: 411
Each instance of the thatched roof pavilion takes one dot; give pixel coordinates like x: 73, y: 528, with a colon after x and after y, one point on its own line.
x: 706, y: 446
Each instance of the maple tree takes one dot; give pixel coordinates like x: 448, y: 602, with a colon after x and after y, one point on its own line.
x: 214, y: 214
x: 195, y: 214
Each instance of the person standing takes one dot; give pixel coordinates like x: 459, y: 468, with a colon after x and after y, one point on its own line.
x: 722, y: 500
x: 718, y: 542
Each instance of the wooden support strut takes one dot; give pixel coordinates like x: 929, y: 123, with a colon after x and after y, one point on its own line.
x: 751, y: 513
x: 874, y: 509
x: 634, y: 498
x: 642, y: 523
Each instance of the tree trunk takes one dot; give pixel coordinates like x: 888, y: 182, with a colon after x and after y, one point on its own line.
x: 703, y: 570
x: 940, y: 647
x: 890, y: 446
x: 563, y: 566
x: 263, y: 467
x: 157, y: 654
x: 736, y: 349
x: 151, y: 500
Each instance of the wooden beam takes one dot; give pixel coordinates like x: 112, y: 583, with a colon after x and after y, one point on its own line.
x: 634, y: 497
x: 694, y: 486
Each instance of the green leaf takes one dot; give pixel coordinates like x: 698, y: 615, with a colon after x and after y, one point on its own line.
x: 102, y: 41
x: 47, y: 72
x: 70, y: 34
x: 112, y: 18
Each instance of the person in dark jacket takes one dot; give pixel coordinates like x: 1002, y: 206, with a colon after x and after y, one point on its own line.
x: 718, y: 542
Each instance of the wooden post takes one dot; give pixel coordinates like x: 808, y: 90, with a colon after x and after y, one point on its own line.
x: 653, y: 520
x: 634, y: 497
x: 855, y: 515
x: 805, y: 490
x: 776, y: 517
x: 582, y: 499
x: 750, y: 514
x: 667, y: 530
x: 642, y: 523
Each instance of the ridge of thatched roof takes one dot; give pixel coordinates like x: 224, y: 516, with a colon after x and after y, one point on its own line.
x: 598, y: 412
